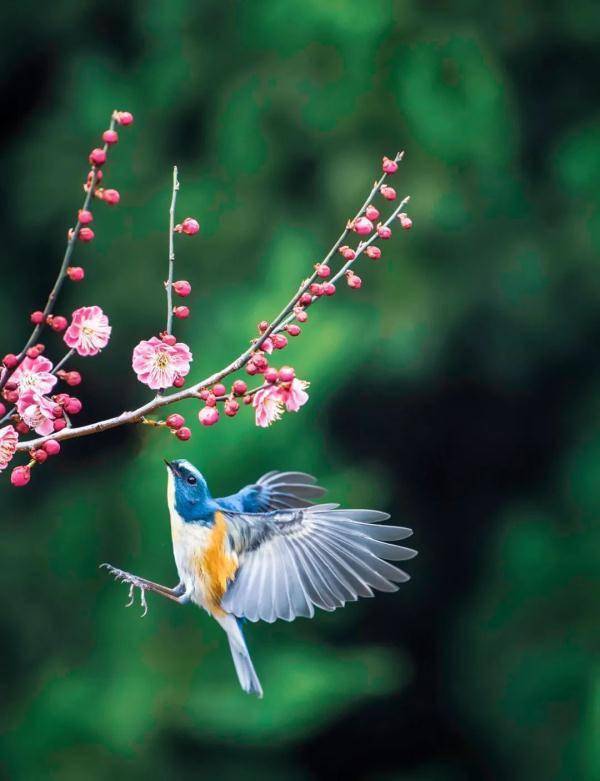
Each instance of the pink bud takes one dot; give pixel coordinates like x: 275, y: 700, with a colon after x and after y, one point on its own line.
x: 20, y: 476
x: 73, y: 406
x: 179, y: 381
x: 2, y: 409
x: 372, y: 213
x: 279, y: 341
x: 175, y: 421
x: 168, y: 339
x: 239, y: 387
x: 182, y: 288
x: 85, y: 234
x: 39, y: 455
x: 204, y: 394
x: 373, y: 252
x: 389, y: 166
x: 271, y: 375
x: 97, y: 156
x: 52, y: 447
x: 219, y: 389
x: 59, y: 424
x: 231, y: 407
x: 300, y: 315
x: 316, y: 289
x: 405, y: 221
x: 208, y: 416
x: 286, y: 374
x: 260, y: 362
x: 124, y: 118
x: 183, y: 433
x: 21, y: 427
x: 37, y: 317
x: 58, y: 323
x: 73, y: 379
x: 111, y: 197
x: 10, y: 361
x: 181, y: 312
x: 384, y: 231
x: 353, y: 280
x: 263, y: 326
x: 363, y: 226
x: 323, y: 271
x: 388, y: 192
x: 190, y: 226
x: 251, y: 368
x: 305, y: 299
x: 12, y: 397
x: 348, y: 253
x: 75, y: 273
x: 85, y: 217
x: 295, y: 330
x: 110, y: 136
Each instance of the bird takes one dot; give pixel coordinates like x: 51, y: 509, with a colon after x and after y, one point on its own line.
x: 268, y: 552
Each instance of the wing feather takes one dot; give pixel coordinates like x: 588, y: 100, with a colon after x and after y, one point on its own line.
x: 294, y: 560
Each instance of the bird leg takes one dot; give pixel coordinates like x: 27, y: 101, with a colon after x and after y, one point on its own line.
x: 176, y: 594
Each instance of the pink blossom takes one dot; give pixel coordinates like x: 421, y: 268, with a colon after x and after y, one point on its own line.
x: 37, y: 412
x: 89, y: 331
x: 269, y: 403
x: 267, y: 345
x: 8, y: 445
x: 268, y: 406
x: 34, y: 374
x: 158, y: 364
x: 295, y: 396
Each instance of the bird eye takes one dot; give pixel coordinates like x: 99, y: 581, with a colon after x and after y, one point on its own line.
x: 192, y: 480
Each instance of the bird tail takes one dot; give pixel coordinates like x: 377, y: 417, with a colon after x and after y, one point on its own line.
x: 241, y: 658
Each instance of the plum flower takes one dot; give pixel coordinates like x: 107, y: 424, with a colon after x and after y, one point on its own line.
x: 268, y: 406
x: 89, y: 331
x: 37, y: 412
x: 294, y: 396
x: 8, y: 445
x: 270, y: 402
x: 34, y: 374
x: 157, y: 364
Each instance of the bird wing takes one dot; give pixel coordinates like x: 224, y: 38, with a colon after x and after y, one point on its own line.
x: 291, y: 561
x: 274, y: 491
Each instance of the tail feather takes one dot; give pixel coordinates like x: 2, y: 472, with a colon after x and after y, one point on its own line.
x: 241, y: 658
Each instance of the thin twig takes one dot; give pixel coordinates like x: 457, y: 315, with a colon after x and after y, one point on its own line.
x: 62, y: 274
x: 171, y: 251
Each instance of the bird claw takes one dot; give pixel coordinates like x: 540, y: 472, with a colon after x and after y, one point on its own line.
x: 134, y: 582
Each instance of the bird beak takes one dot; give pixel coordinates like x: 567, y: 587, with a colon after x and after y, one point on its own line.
x: 169, y: 465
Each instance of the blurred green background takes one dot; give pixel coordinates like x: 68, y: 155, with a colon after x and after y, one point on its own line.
x: 458, y: 389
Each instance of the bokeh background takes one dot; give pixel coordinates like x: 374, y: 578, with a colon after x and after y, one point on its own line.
x: 458, y: 389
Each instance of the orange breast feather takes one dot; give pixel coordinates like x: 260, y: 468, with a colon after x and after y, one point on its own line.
x: 216, y: 566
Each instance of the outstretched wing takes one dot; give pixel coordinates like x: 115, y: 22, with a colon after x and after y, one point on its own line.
x: 274, y: 491
x: 292, y: 561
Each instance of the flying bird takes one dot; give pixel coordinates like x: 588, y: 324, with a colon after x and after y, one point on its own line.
x: 268, y: 552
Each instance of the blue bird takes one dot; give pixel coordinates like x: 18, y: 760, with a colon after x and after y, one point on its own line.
x: 267, y: 552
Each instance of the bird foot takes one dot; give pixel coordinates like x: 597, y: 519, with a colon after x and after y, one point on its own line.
x: 134, y: 582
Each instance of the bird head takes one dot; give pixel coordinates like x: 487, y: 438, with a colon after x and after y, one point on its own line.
x: 188, y: 491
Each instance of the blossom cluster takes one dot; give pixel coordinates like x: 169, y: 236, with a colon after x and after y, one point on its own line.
x: 28, y: 379
x: 162, y: 362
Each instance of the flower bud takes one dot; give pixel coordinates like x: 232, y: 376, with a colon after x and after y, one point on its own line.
x: 389, y: 166
x: 363, y: 226
x: 373, y: 252
x: 286, y: 374
x: 97, y: 156
x: 75, y: 273
x: 175, y: 421
x: 20, y: 476
x: 372, y: 213
x: 37, y: 318
x: 182, y: 288
x: 183, y: 433
x: 239, y: 387
x: 110, y: 136
x: 85, y: 234
x: 208, y: 416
